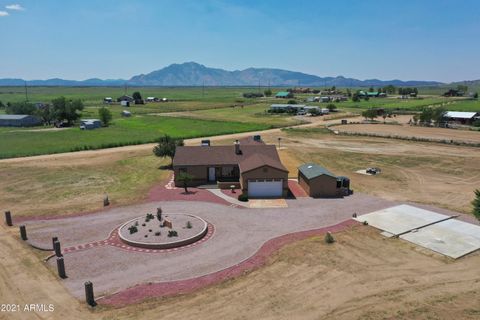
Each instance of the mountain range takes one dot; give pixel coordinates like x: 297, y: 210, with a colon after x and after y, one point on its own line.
x: 195, y: 74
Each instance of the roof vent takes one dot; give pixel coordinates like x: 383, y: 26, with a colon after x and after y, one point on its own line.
x: 310, y: 167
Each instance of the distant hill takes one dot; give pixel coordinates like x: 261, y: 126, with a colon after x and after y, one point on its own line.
x: 194, y: 74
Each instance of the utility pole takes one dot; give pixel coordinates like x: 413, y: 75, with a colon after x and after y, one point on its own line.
x: 26, y: 92
x: 203, y: 89
x: 125, y: 89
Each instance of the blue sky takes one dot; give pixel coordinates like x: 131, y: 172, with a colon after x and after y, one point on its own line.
x: 408, y: 39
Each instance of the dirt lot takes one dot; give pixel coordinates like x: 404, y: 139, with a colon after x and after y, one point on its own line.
x: 412, y: 131
x: 429, y: 173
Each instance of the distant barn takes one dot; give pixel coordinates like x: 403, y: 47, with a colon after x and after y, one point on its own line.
x: 19, y: 120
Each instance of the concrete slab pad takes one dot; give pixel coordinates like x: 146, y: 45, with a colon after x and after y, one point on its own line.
x: 452, y: 238
x: 400, y: 219
x: 268, y: 203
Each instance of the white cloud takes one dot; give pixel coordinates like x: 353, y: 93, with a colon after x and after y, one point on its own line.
x: 15, y: 7
x: 3, y: 13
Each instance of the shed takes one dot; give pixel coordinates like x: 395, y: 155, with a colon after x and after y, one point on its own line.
x: 284, y: 95
x: 19, y: 120
x: 461, y: 117
x: 318, y: 182
x: 126, y: 113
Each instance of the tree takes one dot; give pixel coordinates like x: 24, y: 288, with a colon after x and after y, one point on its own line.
x: 68, y: 110
x: 184, y: 178
x: 2, y: 106
x: 476, y: 204
x: 438, y: 114
x: 105, y: 116
x: 137, y: 96
x: 370, y: 114
x: 356, y: 97
x: 292, y: 101
x: 331, y: 107
x: 20, y: 108
x: 371, y: 89
x: 475, y: 95
x: 267, y: 93
x: 46, y: 113
x: 166, y: 147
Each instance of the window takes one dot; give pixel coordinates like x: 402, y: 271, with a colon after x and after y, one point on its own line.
x: 184, y: 170
x: 339, y: 184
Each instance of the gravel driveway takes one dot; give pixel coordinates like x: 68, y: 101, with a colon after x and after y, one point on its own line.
x: 239, y: 233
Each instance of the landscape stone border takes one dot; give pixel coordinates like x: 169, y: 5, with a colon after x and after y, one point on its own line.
x: 165, y: 245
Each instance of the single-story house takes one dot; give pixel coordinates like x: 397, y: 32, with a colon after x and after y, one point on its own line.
x: 318, y: 182
x: 287, y: 107
x: 249, y: 164
x: 19, y: 120
x: 90, y: 124
x: 373, y: 94
x: 460, y: 117
x: 151, y: 99
x: 284, y: 95
x: 107, y: 100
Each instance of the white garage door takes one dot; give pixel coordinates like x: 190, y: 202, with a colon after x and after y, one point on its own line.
x: 262, y: 188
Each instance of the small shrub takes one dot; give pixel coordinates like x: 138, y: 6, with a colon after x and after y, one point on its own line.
x: 149, y: 230
x: 189, y: 225
x: 243, y: 197
x: 146, y: 236
x: 150, y: 216
x: 143, y: 224
x: 157, y: 233
x: 329, y: 238
x: 172, y: 233
x: 133, y: 229
x: 365, y: 223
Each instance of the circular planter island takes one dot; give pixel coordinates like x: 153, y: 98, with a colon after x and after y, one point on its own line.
x: 174, y: 230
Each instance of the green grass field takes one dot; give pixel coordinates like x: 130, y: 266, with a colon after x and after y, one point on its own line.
x: 136, y: 130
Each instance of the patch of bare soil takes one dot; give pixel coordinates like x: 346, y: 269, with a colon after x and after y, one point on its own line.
x: 361, y: 276
x: 412, y: 131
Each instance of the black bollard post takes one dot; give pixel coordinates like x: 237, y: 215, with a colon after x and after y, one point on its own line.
x: 53, y: 242
x: 8, y: 218
x: 61, y: 268
x: 23, y: 232
x: 57, y: 248
x: 89, y: 294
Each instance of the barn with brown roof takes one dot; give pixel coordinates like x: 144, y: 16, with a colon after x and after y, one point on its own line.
x: 249, y: 163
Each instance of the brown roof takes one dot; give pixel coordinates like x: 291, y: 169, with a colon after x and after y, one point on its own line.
x: 252, y: 156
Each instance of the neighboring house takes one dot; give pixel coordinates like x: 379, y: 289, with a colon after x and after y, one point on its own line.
x: 152, y: 99
x: 249, y: 164
x: 318, y: 182
x: 284, y: 95
x: 126, y: 113
x: 19, y: 120
x: 90, y: 124
x: 107, y: 100
x: 294, y: 108
x: 460, y: 117
x: 453, y: 93
x: 374, y: 94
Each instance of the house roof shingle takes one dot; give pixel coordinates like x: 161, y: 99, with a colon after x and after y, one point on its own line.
x: 252, y: 156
